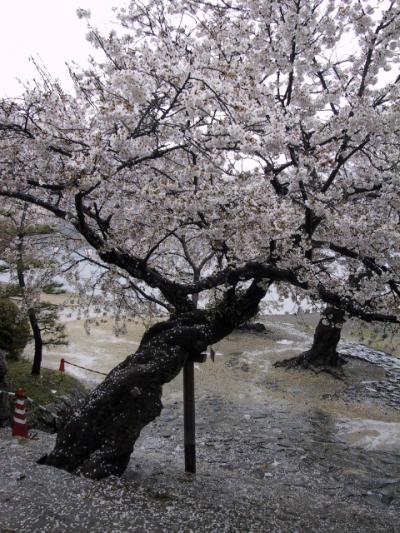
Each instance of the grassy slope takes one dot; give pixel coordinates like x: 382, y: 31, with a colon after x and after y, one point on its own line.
x: 374, y: 337
x: 40, y: 388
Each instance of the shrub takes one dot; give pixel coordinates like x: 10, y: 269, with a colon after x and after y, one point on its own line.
x: 14, y: 329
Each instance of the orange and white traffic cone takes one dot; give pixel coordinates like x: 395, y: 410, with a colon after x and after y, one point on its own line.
x: 19, y: 427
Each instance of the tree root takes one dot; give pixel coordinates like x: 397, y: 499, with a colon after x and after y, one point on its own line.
x: 304, y: 362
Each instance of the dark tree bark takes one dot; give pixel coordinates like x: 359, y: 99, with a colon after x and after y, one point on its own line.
x: 37, y: 334
x: 98, y: 439
x: 37, y: 337
x: 323, y: 353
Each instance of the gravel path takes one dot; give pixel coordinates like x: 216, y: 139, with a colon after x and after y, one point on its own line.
x: 258, y: 470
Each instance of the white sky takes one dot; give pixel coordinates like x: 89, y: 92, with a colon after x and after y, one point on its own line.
x: 50, y: 31
x: 45, y: 29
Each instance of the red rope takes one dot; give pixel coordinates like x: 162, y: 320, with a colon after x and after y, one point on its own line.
x: 84, y: 368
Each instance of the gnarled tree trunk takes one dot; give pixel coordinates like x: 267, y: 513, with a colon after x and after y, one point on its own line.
x: 98, y: 439
x: 323, y: 353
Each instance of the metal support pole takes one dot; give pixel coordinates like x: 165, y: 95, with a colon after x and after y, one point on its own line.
x: 189, y: 417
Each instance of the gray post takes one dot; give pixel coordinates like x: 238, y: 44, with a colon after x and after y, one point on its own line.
x: 189, y: 417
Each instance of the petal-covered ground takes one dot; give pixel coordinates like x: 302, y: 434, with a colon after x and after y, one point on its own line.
x: 277, y: 451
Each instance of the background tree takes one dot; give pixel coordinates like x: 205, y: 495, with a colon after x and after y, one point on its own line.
x: 26, y: 254
x: 323, y: 352
x: 344, y: 181
x: 245, y: 130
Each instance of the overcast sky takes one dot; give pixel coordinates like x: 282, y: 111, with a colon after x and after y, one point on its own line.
x: 48, y: 29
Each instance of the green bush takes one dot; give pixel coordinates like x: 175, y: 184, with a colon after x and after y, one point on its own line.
x: 10, y: 290
x: 14, y: 329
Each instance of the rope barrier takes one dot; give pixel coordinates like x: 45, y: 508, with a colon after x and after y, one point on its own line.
x: 7, y: 392
x: 84, y: 368
x: 32, y: 401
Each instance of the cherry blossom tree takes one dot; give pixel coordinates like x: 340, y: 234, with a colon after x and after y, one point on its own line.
x: 331, y: 86
x: 216, y: 148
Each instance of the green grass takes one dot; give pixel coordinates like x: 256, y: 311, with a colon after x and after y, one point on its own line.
x: 39, y: 387
x: 375, y: 339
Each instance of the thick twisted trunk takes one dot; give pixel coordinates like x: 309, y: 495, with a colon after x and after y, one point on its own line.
x: 98, y: 439
x: 323, y: 353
